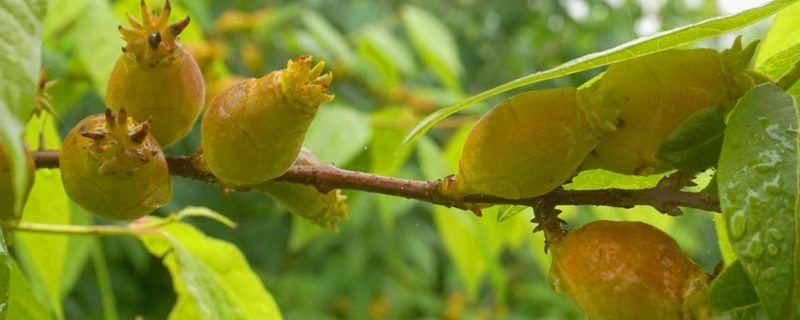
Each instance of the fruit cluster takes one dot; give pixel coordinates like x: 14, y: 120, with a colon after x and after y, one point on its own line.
x: 534, y: 142
x: 113, y: 165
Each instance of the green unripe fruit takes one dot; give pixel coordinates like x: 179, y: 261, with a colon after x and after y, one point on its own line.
x: 528, y: 145
x: 112, y: 167
x: 253, y: 131
x: 8, y: 215
x: 156, y: 76
x: 323, y: 209
x: 658, y: 92
x: 628, y: 271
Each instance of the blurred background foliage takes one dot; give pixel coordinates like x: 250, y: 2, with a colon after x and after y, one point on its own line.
x: 393, y: 62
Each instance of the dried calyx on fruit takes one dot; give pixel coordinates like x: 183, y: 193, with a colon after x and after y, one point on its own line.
x: 660, y: 91
x: 510, y: 152
x: 628, y: 270
x: 156, y: 76
x: 9, y: 216
x: 253, y: 131
x: 323, y: 209
x: 113, y: 167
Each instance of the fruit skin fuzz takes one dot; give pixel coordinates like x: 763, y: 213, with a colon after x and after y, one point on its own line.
x: 156, y: 76
x: 323, y: 209
x: 8, y: 216
x: 660, y: 91
x: 528, y: 145
x: 112, y: 167
x: 253, y: 131
x: 620, y: 270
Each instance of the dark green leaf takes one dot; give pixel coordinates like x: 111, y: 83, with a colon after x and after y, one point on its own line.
x: 758, y: 189
x: 695, y: 145
x: 20, y: 63
x: 732, y: 290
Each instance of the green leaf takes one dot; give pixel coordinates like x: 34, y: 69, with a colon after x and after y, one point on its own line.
x: 99, y: 42
x: 211, y: 277
x: 338, y: 134
x: 23, y: 304
x: 629, y: 50
x: 435, y: 45
x: 783, y: 34
x: 20, y: 63
x: 67, y: 12
x: 390, y: 51
x: 732, y: 290
x: 506, y: 212
x: 328, y: 37
x: 695, y: 145
x: 780, y: 63
x: 758, y: 189
x: 44, y: 256
x: 602, y: 179
x: 389, y: 126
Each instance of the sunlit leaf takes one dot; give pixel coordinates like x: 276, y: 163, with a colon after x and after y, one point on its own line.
x: 211, y: 277
x: 23, y: 304
x: 758, y: 189
x: 780, y: 63
x: 783, y: 34
x: 44, y: 256
x: 632, y: 49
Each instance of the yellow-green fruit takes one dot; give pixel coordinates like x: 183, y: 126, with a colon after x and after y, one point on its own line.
x: 527, y: 145
x: 112, y: 167
x: 252, y: 132
x: 628, y: 271
x: 658, y: 92
x: 8, y: 215
x: 156, y: 76
x: 323, y: 209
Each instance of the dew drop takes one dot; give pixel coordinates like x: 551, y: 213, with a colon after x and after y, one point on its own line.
x: 555, y: 283
x: 738, y: 224
x: 769, y: 273
x: 754, y: 248
x: 775, y: 234
x: 772, y: 249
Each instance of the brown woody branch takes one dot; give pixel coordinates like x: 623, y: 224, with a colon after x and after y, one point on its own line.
x: 666, y: 197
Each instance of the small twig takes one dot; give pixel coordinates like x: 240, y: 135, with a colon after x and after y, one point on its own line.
x: 665, y: 197
x: 101, y: 230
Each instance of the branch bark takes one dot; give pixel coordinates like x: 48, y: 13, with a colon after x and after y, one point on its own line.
x: 666, y: 197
